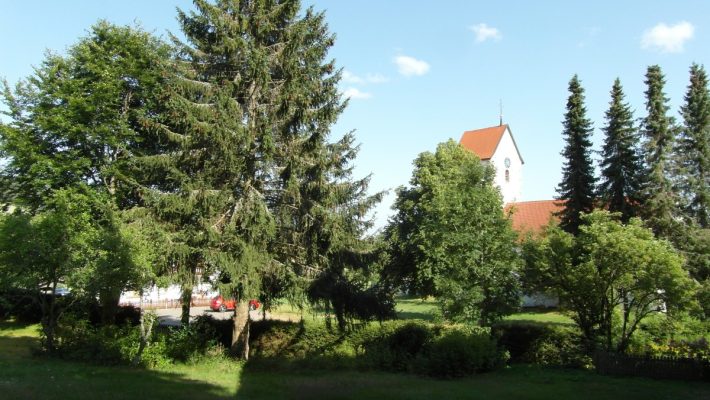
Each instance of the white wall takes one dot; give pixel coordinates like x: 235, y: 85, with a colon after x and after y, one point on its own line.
x: 511, y: 190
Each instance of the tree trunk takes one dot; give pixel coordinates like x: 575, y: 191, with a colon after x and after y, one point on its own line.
x: 145, y: 333
x: 49, y: 323
x: 109, y: 300
x: 240, y: 332
x: 186, y: 300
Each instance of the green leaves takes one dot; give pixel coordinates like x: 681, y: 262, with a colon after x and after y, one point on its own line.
x: 450, y: 238
x: 611, y: 268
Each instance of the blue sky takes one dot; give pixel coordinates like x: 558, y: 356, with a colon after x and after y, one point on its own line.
x: 419, y: 73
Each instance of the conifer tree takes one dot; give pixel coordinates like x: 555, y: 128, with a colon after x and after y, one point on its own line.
x: 658, y: 130
x: 576, y: 190
x: 693, y: 149
x: 254, y: 190
x: 621, y: 168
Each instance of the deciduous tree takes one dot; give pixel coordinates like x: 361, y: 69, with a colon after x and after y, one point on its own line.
x: 610, y: 268
x: 450, y: 238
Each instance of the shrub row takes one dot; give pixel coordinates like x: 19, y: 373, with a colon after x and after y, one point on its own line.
x: 416, y: 347
x: 23, y: 305
x: 549, y: 345
x: 118, y: 344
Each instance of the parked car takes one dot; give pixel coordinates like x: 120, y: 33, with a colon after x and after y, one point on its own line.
x: 58, y: 291
x: 218, y: 303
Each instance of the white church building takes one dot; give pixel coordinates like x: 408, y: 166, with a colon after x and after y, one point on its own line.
x: 496, y: 146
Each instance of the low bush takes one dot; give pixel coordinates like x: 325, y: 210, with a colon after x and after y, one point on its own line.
x: 399, y: 346
x: 197, y: 339
x: 79, y: 339
x: 459, y: 353
x: 680, y: 336
x: 548, y: 345
x: 21, y: 305
x: 107, y: 345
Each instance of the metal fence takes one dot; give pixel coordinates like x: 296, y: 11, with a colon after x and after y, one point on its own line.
x: 658, y: 367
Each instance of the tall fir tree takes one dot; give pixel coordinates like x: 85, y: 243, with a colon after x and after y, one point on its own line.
x: 621, y: 167
x: 576, y: 190
x: 693, y: 149
x: 659, y: 204
x: 256, y: 193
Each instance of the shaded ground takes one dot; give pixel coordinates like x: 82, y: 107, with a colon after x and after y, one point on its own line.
x: 24, y: 376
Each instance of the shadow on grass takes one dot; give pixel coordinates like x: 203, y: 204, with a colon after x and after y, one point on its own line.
x: 534, y: 322
x: 425, y: 316
x: 23, y: 376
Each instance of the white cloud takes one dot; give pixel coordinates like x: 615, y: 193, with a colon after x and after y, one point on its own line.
x: 356, y: 94
x: 376, y: 78
x: 667, y: 38
x: 410, y: 66
x: 484, y: 32
x: 349, y: 77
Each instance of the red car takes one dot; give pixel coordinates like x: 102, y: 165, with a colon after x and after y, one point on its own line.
x: 218, y: 303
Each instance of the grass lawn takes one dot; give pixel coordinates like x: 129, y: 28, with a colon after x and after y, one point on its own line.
x: 548, y: 317
x: 23, y: 376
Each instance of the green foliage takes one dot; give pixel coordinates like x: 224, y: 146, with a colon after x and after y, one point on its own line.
x: 548, y: 345
x: 108, y: 345
x: 257, y: 191
x: 79, y: 119
x: 38, y: 252
x: 576, y: 190
x: 197, y: 339
x: 659, y: 207
x: 693, y: 149
x: 417, y: 347
x: 79, y: 124
x: 611, y: 268
x: 450, y: 238
x: 621, y: 168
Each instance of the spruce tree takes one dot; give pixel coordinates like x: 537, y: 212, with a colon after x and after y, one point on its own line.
x: 693, y: 149
x: 576, y: 191
x: 658, y: 129
x: 621, y: 168
x: 256, y: 192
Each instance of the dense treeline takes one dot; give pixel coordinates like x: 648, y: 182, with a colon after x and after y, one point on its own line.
x: 145, y: 162
x: 647, y: 251
x: 130, y: 162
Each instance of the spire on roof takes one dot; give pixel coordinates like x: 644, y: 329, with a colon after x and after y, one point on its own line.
x: 500, y: 103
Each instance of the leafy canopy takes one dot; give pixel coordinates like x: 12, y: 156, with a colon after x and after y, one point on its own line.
x: 450, y: 238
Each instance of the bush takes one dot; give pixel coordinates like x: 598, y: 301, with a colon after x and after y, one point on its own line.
x: 109, y: 345
x: 680, y: 336
x: 390, y: 346
x: 459, y: 353
x: 21, y: 305
x: 548, y: 345
x: 197, y: 339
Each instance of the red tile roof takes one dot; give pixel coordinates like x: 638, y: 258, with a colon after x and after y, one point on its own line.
x: 533, y: 216
x: 484, y: 141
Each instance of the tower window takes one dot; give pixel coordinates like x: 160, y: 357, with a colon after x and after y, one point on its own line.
x: 507, y: 175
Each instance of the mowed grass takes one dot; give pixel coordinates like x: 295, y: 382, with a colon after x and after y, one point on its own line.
x: 427, y: 309
x: 24, y: 376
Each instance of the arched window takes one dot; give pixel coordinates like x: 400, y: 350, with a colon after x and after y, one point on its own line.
x: 507, y: 175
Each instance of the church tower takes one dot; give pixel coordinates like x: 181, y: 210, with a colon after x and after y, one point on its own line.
x: 496, y: 146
